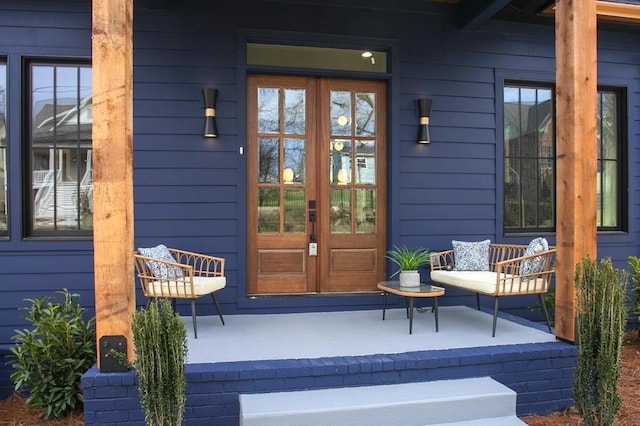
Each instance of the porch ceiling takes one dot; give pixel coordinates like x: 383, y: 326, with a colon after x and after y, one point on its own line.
x: 614, y: 15
x: 611, y: 13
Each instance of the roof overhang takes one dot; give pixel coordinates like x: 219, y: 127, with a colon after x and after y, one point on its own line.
x: 472, y: 14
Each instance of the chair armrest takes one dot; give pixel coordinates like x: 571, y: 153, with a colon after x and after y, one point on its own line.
x: 145, y: 272
x: 441, y: 260
x: 511, y: 279
x: 200, y: 264
x: 513, y: 266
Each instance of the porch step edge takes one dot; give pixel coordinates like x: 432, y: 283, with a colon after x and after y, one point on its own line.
x: 406, y: 404
x: 493, y: 421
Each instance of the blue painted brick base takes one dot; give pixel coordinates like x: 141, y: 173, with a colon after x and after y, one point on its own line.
x: 541, y: 374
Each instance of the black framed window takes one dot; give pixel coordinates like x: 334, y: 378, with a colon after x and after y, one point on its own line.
x: 59, y: 120
x: 611, y: 178
x: 529, y: 152
x: 529, y: 158
x: 4, y: 230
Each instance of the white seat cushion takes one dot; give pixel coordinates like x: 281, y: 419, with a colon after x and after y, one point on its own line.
x: 181, y: 287
x: 485, y: 282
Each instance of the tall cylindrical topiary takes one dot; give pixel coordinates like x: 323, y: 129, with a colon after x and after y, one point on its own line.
x: 160, y: 342
x: 601, y: 292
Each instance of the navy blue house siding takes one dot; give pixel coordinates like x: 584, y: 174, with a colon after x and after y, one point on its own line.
x: 189, y: 192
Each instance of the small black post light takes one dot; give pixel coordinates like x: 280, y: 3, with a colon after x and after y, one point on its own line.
x: 424, y: 107
x: 210, y: 96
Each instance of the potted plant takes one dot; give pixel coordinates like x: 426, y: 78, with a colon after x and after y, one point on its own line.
x: 408, y: 261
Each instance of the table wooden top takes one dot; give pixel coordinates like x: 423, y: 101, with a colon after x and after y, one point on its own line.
x: 424, y: 290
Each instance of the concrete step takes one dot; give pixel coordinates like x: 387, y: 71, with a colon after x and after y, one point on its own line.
x: 467, y: 401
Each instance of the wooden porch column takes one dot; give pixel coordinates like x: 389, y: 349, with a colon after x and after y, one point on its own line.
x: 112, y: 45
x: 576, y: 156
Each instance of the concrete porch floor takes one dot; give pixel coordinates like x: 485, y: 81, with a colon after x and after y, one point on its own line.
x: 352, y: 333
x: 261, y: 354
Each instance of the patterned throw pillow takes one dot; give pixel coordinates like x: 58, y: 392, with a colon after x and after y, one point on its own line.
x: 535, y: 264
x: 471, y: 256
x: 158, y: 269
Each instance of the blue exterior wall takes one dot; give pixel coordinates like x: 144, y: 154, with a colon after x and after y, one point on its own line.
x: 190, y: 192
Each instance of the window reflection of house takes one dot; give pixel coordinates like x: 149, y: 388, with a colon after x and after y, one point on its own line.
x: 61, y: 165
x: 529, y: 159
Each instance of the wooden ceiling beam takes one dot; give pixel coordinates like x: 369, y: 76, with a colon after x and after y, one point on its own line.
x: 618, y: 11
x: 612, y: 11
x: 473, y: 13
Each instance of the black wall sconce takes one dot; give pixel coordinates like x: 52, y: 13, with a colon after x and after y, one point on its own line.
x: 210, y: 127
x: 424, y: 107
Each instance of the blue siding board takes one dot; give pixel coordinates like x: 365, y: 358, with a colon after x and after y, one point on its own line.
x: 169, y: 160
x: 208, y: 209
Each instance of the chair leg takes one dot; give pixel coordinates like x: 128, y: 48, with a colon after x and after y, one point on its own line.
x: 495, y: 315
x: 478, y: 300
x: 546, y: 312
x: 213, y: 296
x: 193, y: 317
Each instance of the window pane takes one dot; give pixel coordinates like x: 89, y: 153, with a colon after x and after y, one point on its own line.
x: 268, y: 160
x: 365, y: 163
x: 365, y: 114
x: 315, y: 57
x: 341, y: 211
x: 3, y: 149
x: 547, y: 194
x: 340, y: 161
x: 294, y: 219
x: 61, y: 163
x: 365, y: 211
x: 294, y: 111
x: 294, y: 160
x: 341, y: 113
x: 268, y: 112
x: 513, y: 204
x: 607, y: 194
x: 608, y: 126
x: 268, y: 210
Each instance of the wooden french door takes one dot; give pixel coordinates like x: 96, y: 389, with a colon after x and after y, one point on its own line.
x: 316, y: 184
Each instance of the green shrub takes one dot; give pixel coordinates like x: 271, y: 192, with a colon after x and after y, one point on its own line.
x: 160, y: 342
x: 634, y: 307
x: 50, y: 358
x: 601, y: 314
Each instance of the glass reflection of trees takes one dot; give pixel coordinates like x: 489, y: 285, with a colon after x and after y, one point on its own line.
x: 281, y: 159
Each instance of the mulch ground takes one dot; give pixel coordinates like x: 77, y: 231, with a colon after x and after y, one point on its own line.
x: 628, y: 388
x: 14, y: 411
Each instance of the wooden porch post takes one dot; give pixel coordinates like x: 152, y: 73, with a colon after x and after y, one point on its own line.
x: 576, y: 156
x: 112, y: 45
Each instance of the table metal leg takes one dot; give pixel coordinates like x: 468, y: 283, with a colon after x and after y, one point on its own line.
x: 435, y: 311
x: 384, y: 303
x: 410, y: 315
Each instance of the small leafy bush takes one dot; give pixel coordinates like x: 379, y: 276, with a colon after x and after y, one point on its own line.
x: 634, y: 307
x: 50, y: 358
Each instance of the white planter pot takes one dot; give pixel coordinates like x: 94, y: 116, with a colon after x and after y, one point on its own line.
x: 409, y: 279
